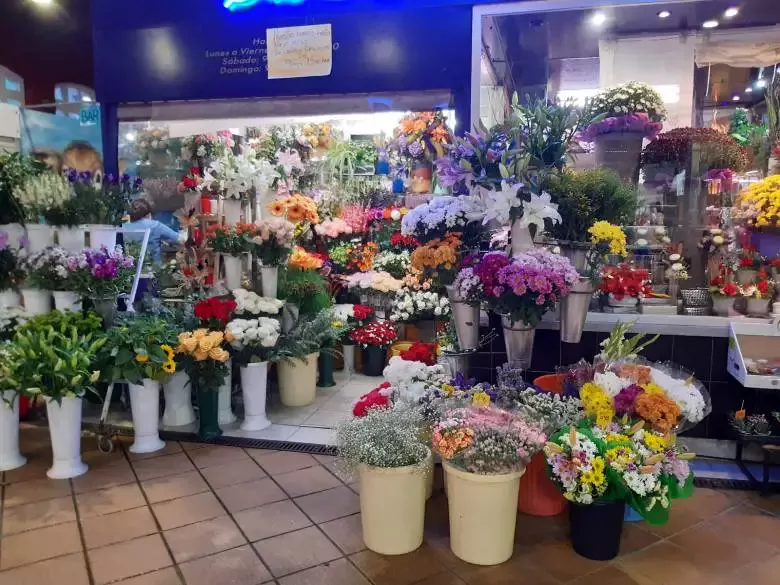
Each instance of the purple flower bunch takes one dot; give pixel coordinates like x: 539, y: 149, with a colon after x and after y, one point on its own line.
x: 101, y: 271
x: 624, y: 400
x: 634, y: 122
x: 474, y: 159
x: 104, y: 263
x: 527, y: 285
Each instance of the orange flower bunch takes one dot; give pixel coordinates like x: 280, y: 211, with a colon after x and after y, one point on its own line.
x: 295, y: 208
x: 302, y: 260
x: 657, y: 409
x: 448, y: 442
x: 416, y: 123
x: 362, y: 257
x: 203, y: 344
x: 438, y: 259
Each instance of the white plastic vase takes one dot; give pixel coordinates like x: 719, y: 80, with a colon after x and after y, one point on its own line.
x: 39, y: 236
x: 65, y: 431
x: 10, y: 456
x: 71, y: 238
x: 102, y: 235
x: 232, y: 271
x: 178, y: 401
x: 14, y: 231
x: 269, y: 280
x: 483, y: 514
x: 254, y: 382
x: 36, y: 302
x: 10, y: 298
x: 145, y: 405
x: 67, y: 300
x: 349, y: 358
x: 226, y: 415
x: 520, y: 238
x: 231, y: 210
x: 392, y: 507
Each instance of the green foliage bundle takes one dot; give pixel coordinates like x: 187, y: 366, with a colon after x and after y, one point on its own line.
x: 304, y: 288
x: 139, y: 347
x: 15, y: 170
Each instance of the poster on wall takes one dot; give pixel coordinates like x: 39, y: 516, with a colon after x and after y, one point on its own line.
x: 299, y: 51
x: 62, y: 142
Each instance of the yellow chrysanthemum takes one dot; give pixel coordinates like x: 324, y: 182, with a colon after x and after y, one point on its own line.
x: 613, y: 235
x: 480, y: 399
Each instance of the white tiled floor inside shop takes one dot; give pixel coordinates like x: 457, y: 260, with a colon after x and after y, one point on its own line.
x: 314, y: 423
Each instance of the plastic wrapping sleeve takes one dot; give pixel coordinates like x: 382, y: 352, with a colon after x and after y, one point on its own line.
x: 575, y: 375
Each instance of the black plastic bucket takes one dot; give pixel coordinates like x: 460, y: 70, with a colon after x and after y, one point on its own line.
x: 596, y: 529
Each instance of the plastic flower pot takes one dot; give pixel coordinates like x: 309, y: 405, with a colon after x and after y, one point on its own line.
x: 102, y: 235
x: 483, y: 513
x: 723, y: 305
x: 550, y: 383
x: 232, y: 266
x: 67, y: 300
x: 10, y: 456
x: 178, y: 401
x: 426, y: 330
x: 759, y: 307
x: 254, y: 384
x: 325, y: 370
x: 39, y: 236
x: 226, y: 416
x: 145, y: 405
x: 71, y: 238
x: 269, y: 281
x: 10, y: 298
x: 538, y: 494
x: 208, y: 413
x: 374, y: 360
x: 596, y: 529
x: 65, y: 432
x: 392, y: 507
x: 298, y: 380
x: 36, y: 302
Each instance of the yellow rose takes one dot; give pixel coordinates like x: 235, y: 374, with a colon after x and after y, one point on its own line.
x: 200, y: 355
x: 189, y: 345
x: 184, y: 336
x: 219, y: 354
x: 200, y: 333
x: 207, y: 343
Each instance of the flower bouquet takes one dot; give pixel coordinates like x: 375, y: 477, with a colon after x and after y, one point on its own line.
x: 361, y: 257
x: 634, y: 123
x: 476, y: 160
x: 724, y: 293
x: 384, y: 447
x: 758, y: 206
x: 441, y: 215
x: 396, y: 264
x: 295, y: 208
x: 624, y: 281
x: 411, y: 306
x: 716, y: 150
x: 204, y: 358
x: 598, y: 471
x: 374, y: 338
x: 139, y: 351
x: 215, y: 312
x: 231, y: 240
x: 303, y: 260
x: 249, y: 303
x: 484, y: 452
x: 628, y: 98
x: 422, y: 135
x: 437, y: 260
x: 411, y: 380
x: 207, y: 146
x: 333, y: 228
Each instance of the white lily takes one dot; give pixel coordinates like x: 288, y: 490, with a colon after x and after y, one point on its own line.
x: 539, y: 208
x: 499, y: 204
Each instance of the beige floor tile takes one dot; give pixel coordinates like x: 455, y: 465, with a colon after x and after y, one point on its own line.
x: 271, y: 520
x: 232, y: 473
x: 171, y: 448
x: 665, y: 564
x: 748, y: 523
x: 250, y: 494
x: 118, y: 473
x: 347, y: 533
x: 37, y: 545
x: 215, y: 455
x: 38, y: 515
x: 295, y: 551
x: 204, y: 538
x: 559, y: 560
x: 330, y: 504
x: 307, y: 481
x: 193, y: 446
x: 110, y: 500
x: 187, y: 510
x: 276, y: 462
x: 239, y: 566
x: 118, y: 527
x: 340, y: 572
x: 128, y: 559
x: 174, y: 486
x: 35, y: 490
x: 401, y: 569
x: 162, y: 577
x: 35, y: 468
x: 163, y: 466
x: 70, y: 570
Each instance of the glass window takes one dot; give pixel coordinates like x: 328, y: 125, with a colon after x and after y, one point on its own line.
x: 12, y: 84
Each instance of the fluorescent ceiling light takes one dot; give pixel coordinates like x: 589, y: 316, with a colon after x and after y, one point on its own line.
x: 664, y: 14
x: 709, y: 24
x: 43, y: 2
x: 86, y: 98
x: 130, y: 137
x: 731, y: 12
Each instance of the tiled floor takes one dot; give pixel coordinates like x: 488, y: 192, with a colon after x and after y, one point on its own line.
x: 304, y: 424
x: 211, y: 515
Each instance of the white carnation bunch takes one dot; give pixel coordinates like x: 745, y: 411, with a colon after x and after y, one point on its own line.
x: 414, y: 305
x: 253, y: 304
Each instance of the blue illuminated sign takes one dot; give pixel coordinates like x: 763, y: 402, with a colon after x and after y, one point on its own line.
x: 236, y: 5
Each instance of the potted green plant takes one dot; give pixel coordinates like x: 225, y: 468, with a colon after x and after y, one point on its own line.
x: 10, y: 456
x: 139, y: 350
x: 58, y: 364
x: 252, y: 343
x: 15, y: 170
x: 296, y: 357
x: 383, y: 447
x: 484, y: 451
x: 204, y: 358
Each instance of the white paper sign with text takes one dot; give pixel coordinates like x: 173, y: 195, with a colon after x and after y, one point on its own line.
x: 299, y: 51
